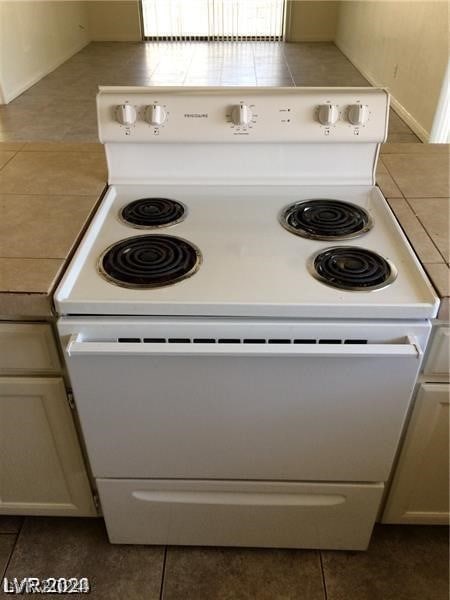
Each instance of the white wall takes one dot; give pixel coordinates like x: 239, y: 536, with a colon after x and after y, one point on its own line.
x: 401, y: 44
x: 35, y: 38
x: 311, y: 20
x: 114, y: 20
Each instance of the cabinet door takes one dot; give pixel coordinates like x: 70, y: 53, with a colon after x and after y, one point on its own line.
x: 28, y: 348
x: 437, y: 364
x: 41, y: 466
x: 420, y: 488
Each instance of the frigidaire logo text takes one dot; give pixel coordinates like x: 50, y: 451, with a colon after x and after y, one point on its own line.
x: 196, y: 115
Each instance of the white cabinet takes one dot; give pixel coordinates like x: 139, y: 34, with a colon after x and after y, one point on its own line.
x: 437, y: 363
x: 419, y: 491
x: 28, y: 348
x: 420, y: 487
x: 42, y: 471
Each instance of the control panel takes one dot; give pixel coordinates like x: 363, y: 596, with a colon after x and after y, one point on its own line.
x: 182, y: 114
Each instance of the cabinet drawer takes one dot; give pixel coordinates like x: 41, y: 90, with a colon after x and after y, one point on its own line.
x: 438, y: 359
x: 231, y: 513
x: 27, y: 348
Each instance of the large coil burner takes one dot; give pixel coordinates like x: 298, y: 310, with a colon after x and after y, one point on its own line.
x: 149, y: 261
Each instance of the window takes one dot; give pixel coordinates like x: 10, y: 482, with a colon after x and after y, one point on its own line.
x: 232, y: 20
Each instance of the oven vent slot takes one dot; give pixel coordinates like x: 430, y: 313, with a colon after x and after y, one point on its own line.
x: 186, y: 340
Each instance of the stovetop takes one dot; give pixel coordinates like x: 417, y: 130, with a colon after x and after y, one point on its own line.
x: 240, y: 260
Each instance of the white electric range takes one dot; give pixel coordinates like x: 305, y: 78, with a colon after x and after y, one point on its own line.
x: 244, y: 320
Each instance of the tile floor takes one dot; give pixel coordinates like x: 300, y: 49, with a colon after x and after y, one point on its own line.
x: 402, y: 563
x: 62, y: 105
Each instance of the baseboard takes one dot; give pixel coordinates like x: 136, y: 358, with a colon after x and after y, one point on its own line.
x: 416, y: 127
x: 310, y: 38
x: 25, y: 86
x: 116, y: 38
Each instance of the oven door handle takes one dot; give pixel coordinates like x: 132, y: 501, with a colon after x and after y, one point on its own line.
x: 77, y: 347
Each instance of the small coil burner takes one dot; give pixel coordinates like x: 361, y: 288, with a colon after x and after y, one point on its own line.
x: 324, y: 219
x: 149, y: 261
x: 352, y: 268
x: 152, y: 212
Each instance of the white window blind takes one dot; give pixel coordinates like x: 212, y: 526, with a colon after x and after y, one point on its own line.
x: 233, y: 20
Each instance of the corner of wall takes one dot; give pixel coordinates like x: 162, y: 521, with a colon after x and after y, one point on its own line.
x: 114, y: 20
x: 369, y: 35
x: 311, y: 20
x: 16, y: 91
x: 416, y: 127
x: 2, y: 96
x: 41, y: 36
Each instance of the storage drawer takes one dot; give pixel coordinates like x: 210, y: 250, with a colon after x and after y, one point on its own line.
x: 230, y: 513
x: 437, y: 362
x: 27, y: 348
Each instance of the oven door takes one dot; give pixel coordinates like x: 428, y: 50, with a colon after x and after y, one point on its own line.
x: 242, y: 411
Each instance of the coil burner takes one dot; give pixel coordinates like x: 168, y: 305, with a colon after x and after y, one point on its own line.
x: 149, y: 261
x: 146, y: 213
x: 324, y: 219
x: 352, y: 268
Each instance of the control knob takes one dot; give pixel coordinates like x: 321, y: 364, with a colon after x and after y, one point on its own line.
x: 155, y: 114
x: 126, y: 114
x: 358, y: 114
x: 241, y: 114
x: 328, y: 114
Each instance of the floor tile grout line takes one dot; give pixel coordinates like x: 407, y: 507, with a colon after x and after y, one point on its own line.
x: 289, y: 68
x: 427, y: 234
x: 254, y: 64
x: 31, y: 258
x: 163, y: 574
x: 54, y: 194
x: 425, y: 231
x: 8, y: 562
x: 324, y: 583
x: 413, y: 212
x: 15, y: 152
x: 391, y: 176
x: 188, y: 68
x: 408, y: 236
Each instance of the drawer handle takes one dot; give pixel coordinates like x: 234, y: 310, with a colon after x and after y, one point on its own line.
x: 241, y: 498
